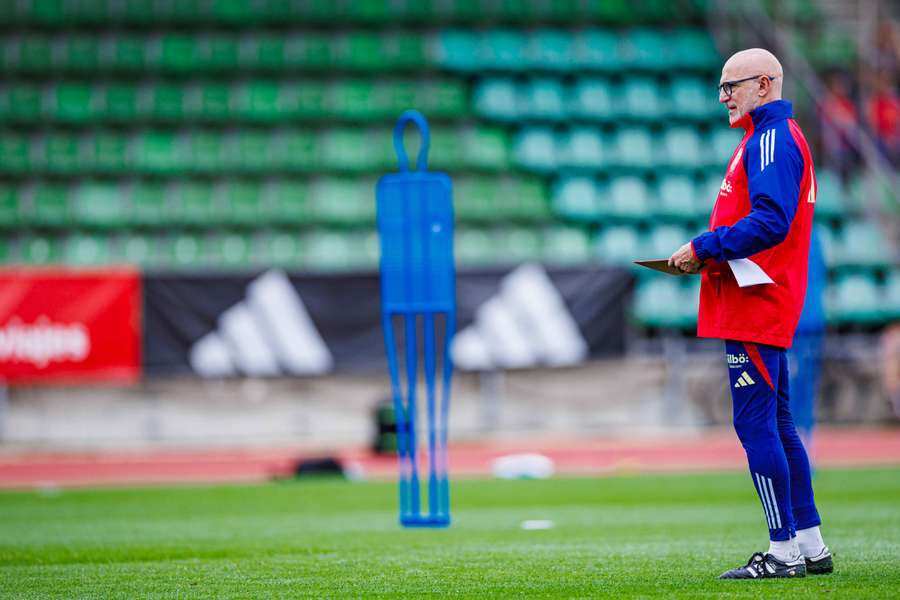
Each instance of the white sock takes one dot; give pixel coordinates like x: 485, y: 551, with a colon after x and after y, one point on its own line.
x: 810, y: 541
x: 786, y: 551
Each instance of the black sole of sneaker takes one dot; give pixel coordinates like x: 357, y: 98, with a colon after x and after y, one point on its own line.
x: 820, y: 567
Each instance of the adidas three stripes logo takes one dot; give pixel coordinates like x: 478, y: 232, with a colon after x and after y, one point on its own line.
x: 767, y: 496
x: 744, y: 380
x: 766, y: 149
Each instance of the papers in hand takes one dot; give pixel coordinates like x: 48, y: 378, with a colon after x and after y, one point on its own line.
x: 748, y: 273
x: 662, y: 265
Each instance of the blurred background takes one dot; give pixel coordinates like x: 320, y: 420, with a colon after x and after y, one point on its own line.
x: 226, y: 153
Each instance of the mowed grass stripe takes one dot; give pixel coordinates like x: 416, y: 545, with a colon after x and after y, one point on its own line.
x: 646, y: 536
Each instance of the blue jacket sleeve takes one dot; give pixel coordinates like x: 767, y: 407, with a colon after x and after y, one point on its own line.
x: 774, y: 167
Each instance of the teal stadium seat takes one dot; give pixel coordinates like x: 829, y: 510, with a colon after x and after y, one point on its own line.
x: 341, y: 202
x: 88, y: 249
x: 551, y: 50
x: 680, y: 148
x: 666, y: 239
x: 483, y: 148
x: 644, y: 49
x: 694, y: 49
x: 582, y: 148
x: 523, y: 199
x: 40, y: 249
x: 722, y: 143
x: 119, y: 103
x: 657, y: 302
x: 676, y: 195
x: 280, y: 249
x: 261, y: 101
x: 99, y: 205
x: 693, y: 98
x: 158, y: 152
x: 328, y: 251
x: 80, y: 53
x: 35, y: 54
x: 618, y: 245
x: 640, y: 100
x: 857, y: 300
x: 219, y: 53
x: 126, y: 54
x: 862, y: 244
x: 891, y: 306
x: 516, y: 245
x: 505, y: 50
x: 242, y: 203
x: 596, y: 50
x: 575, y: 198
x: 474, y: 247
x: 830, y: 195
x: 459, y: 51
x: 15, y: 148
x: 194, y: 205
x: 106, y: 152
x: 633, y: 149
x: 149, y: 205
x: 61, y: 154
x: 475, y: 200
x: 565, y: 246
x: 48, y: 206
x: 591, y: 98
x: 497, y: 99
x: 628, y: 198
x: 535, y: 149
x: 231, y: 250
x: 542, y: 99
x: 20, y: 103
x: 287, y: 201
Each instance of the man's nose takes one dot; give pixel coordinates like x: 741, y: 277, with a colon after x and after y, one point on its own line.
x: 723, y: 98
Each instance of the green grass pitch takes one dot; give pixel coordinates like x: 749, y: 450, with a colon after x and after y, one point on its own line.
x: 650, y: 536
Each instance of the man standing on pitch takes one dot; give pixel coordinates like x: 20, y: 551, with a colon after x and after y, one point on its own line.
x: 764, y: 213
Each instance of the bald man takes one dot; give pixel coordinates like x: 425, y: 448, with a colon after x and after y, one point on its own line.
x: 763, y: 214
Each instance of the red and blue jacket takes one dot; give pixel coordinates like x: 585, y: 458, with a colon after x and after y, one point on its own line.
x: 763, y: 212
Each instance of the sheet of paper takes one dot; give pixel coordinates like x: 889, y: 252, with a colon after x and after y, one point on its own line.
x: 748, y: 273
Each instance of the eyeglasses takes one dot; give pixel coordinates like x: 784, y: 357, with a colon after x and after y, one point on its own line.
x: 728, y: 86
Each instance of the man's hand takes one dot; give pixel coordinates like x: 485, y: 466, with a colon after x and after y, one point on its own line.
x: 685, y: 260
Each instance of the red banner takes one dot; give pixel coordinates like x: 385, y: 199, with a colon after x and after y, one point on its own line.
x: 70, y: 325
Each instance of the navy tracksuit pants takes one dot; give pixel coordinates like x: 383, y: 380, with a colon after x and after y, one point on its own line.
x: 779, y: 466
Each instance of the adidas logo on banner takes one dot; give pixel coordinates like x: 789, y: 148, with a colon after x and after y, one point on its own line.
x: 525, y: 325
x: 268, y: 333
x: 744, y: 380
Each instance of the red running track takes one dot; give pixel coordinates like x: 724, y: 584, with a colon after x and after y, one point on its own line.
x: 713, y: 451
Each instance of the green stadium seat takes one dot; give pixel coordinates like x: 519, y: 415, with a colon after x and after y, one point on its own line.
x: 16, y: 152
x: 7, y: 255
x: 565, y: 246
x: 286, y: 202
x: 582, y: 148
x: 149, y: 206
x: 346, y: 150
x: 309, y: 51
x: 596, y: 49
x: 359, y: 99
x: 505, y: 49
x: 484, y: 148
x: 723, y: 142
x: 250, y: 151
x: 265, y: 53
x: 524, y: 200
x: 863, y: 244
x: 80, y: 53
x: 551, y: 49
x: 298, y: 151
x: 458, y: 51
x: 9, y: 206
x: 127, y: 54
x: 207, y: 152
x: 231, y: 251
x: 177, y: 53
x: 640, y: 100
x: 40, y: 250
x: 676, y: 195
x: 474, y: 200
x: 633, y: 148
x: 260, y: 101
x: 235, y: 12
x: 891, y: 298
x: 474, y: 248
x: 694, y: 49
x: 828, y: 239
x: 693, y: 99
x: 159, y: 152
x: 535, y: 149
x: 49, y: 206
x: 136, y: 249
x: 542, y: 99
x: 360, y: 50
x: 657, y: 303
x: 166, y: 102
x: 88, y: 249
x: 101, y: 205
x: 404, y: 50
x: 707, y: 193
x: 591, y: 98
x: 857, y: 300
x: 680, y: 148
x: 61, y: 154
x: 516, y: 245
x: 440, y: 98
x: 281, y: 250
x: 617, y: 245
x: 830, y: 195
x: 340, y: 202
x: 193, y: 204
x: 183, y: 251
x: 627, y: 198
x: 20, y: 103
x: 106, y: 152
x: 119, y: 102
x: 665, y: 239
x: 221, y: 53
x: 645, y: 49
x: 496, y: 98
x: 213, y: 103
x: 35, y: 54
x: 325, y: 250
x: 242, y: 203
x: 71, y: 103
x: 575, y: 198
x: 446, y: 152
